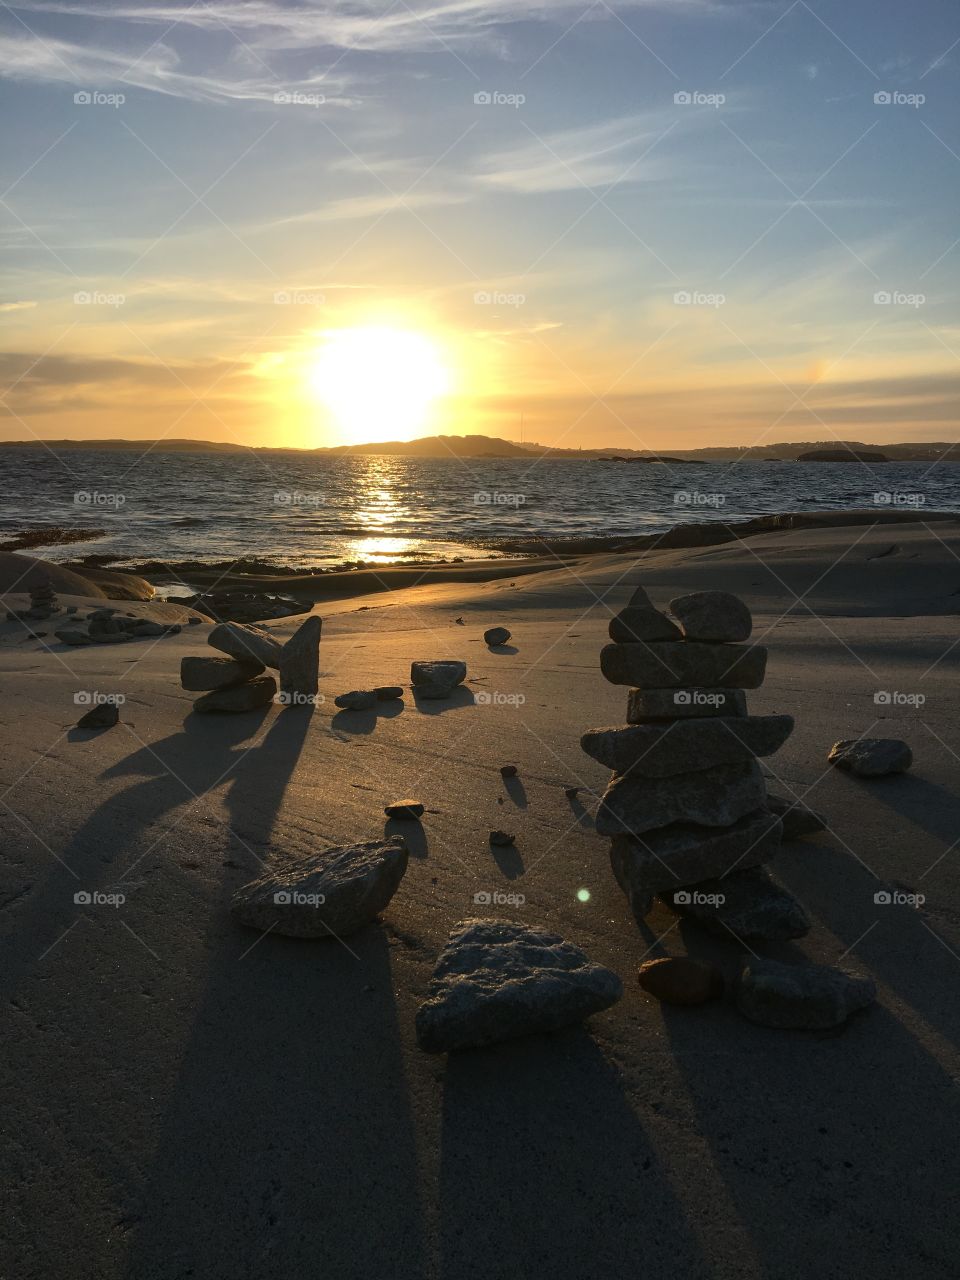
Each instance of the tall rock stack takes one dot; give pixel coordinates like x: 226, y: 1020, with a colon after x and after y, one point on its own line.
x: 686, y: 806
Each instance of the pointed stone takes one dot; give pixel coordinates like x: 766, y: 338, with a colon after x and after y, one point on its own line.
x: 687, y: 746
x: 636, y: 625
x: 712, y: 616
x: 747, y: 904
x: 640, y: 600
x: 715, y: 797
x: 644, y: 705
x: 810, y: 997
x: 659, y: 665
x: 300, y: 662
x: 247, y: 644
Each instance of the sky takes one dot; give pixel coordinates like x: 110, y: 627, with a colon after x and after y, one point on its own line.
x: 657, y: 224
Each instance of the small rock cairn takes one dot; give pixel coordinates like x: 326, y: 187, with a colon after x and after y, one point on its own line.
x: 238, y: 683
x: 687, y: 807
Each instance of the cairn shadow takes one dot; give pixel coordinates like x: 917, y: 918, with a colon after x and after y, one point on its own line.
x: 507, y: 650
x: 516, y: 791
x: 414, y: 836
x: 927, y: 804
x: 459, y: 697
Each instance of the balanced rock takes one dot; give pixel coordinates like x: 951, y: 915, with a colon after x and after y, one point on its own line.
x: 329, y: 894
x: 248, y: 644
x: 871, y: 757
x: 410, y: 809
x: 635, y: 625
x: 712, y: 616
x: 714, y: 797
x: 300, y: 661
x: 670, y: 858
x: 437, y: 679
x: 258, y: 692
x: 798, y: 820
x: 746, y: 904
x: 201, y: 674
x: 661, y: 665
x: 811, y: 997
x: 687, y: 746
x: 103, y: 716
x: 496, y: 980
x: 644, y: 705
x: 495, y: 636
x: 680, y: 980
x: 356, y: 700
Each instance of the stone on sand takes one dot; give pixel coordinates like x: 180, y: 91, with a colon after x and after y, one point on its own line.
x: 714, y: 797
x: 437, y: 679
x: 199, y: 674
x: 103, y: 716
x: 245, y: 643
x: 72, y: 635
x: 664, y: 665
x: 496, y: 635
x: 644, y: 705
x: 496, y: 980
x: 332, y: 893
x: 712, y: 616
x: 636, y: 625
x: 356, y: 700
x: 798, y: 820
x: 258, y: 692
x: 687, y: 746
x: 409, y: 809
x: 300, y: 660
x: 871, y: 757
x: 744, y: 904
x: 811, y: 997
x: 680, y: 980
x: 388, y: 692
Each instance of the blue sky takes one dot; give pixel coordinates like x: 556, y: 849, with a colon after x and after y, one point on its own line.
x: 623, y: 266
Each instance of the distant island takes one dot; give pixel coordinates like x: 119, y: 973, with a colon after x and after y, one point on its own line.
x: 482, y: 446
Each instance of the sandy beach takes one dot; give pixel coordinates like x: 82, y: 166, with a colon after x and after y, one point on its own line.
x: 189, y: 1098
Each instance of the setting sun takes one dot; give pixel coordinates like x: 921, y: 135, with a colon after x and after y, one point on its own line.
x: 378, y: 381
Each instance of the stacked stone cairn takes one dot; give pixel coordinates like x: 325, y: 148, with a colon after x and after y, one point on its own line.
x: 237, y: 682
x: 686, y: 807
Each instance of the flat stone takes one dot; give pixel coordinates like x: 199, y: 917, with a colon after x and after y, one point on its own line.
x: 496, y: 980
x: 797, y: 819
x: 72, y: 635
x: 673, y: 857
x: 714, y: 797
x: 300, y: 660
x: 810, y: 997
x: 437, y: 679
x: 496, y: 635
x: 712, y: 616
x: 356, y: 700
x: 404, y: 809
x: 645, y: 705
x: 200, y: 674
x: 245, y: 643
x: 687, y: 746
x: 239, y: 697
x: 388, y: 692
x: 745, y: 904
x: 332, y: 893
x: 659, y: 665
x: 103, y: 716
x: 871, y: 757
x: 680, y: 980
x: 635, y: 625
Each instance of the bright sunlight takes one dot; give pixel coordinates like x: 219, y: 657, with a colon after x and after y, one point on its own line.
x: 379, y: 382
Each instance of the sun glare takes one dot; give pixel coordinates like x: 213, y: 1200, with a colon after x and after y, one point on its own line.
x: 379, y: 383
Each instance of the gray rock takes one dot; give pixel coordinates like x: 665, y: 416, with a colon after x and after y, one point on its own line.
x: 103, y: 716
x: 248, y: 644
x: 871, y: 757
x: 356, y: 700
x: 673, y: 857
x: 101, y: 626
x: 496, y: 635
x: 747, y: 904
x: 496, y: 980
x: 410, y: 809
x: 712, y: 616
x: 811, y: 997
x: 388, y: 692
x: 146, y: 629
x: 119, y: 637
x: 72, y: 635
x: 200, y: 674
x: 715, y: 797
x: 635, y: 625
x: 333, y: 893
x: 437, y: 679
x: 239, y: 697
x: 798, y: 820
x: 300, y: 661
x: 659, y: 665
x: 644, y: 705
x: 687, y: 746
